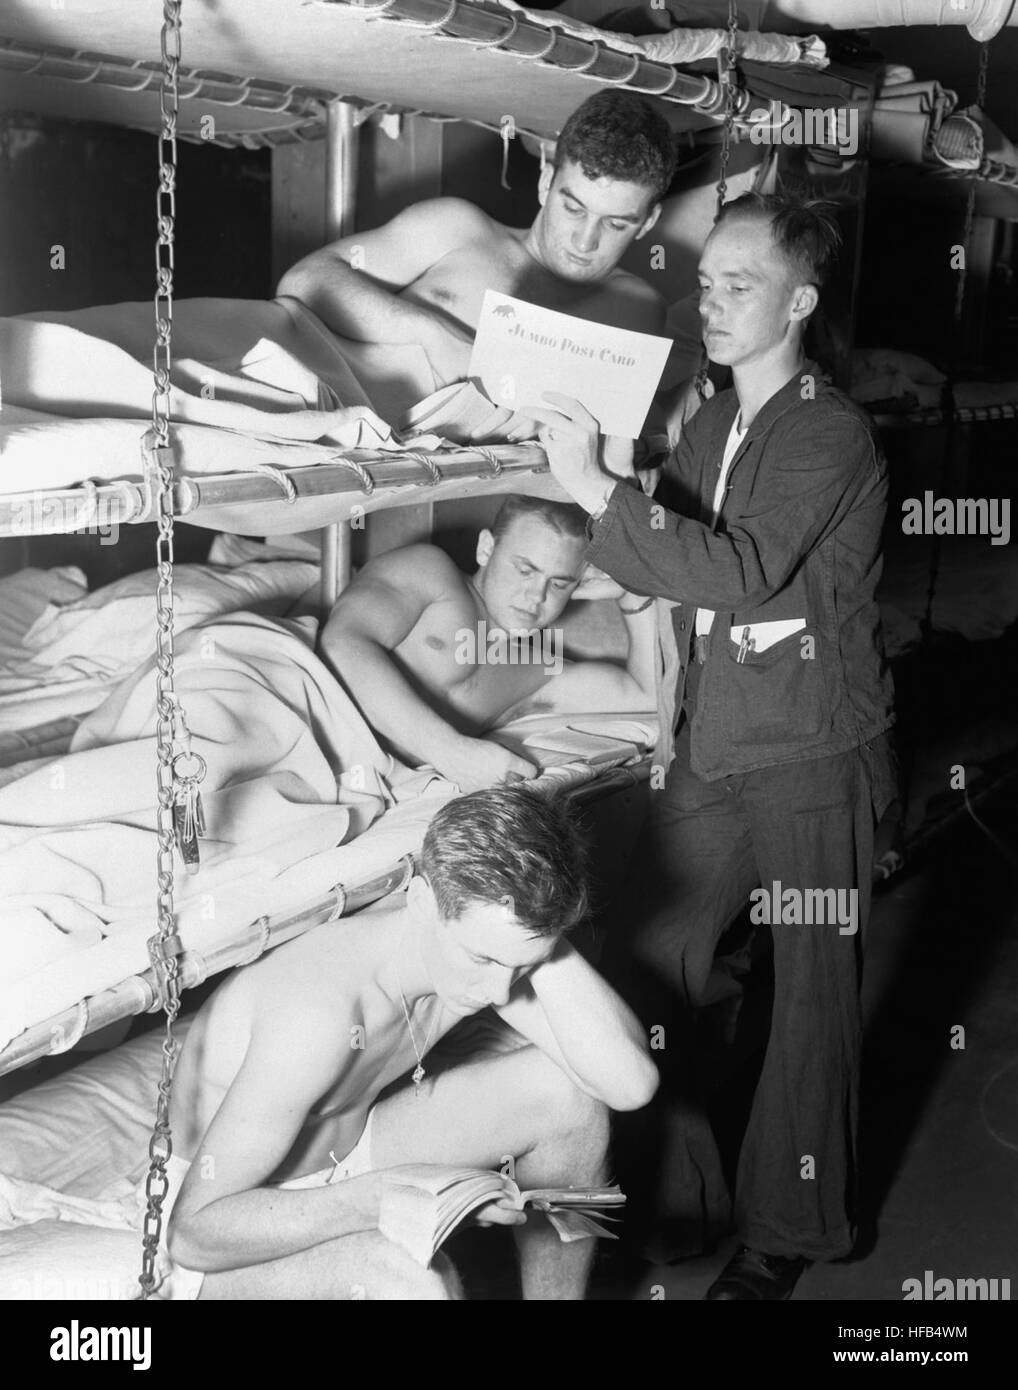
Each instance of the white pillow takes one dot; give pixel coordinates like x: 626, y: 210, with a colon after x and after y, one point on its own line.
x: 114, y: 627
x: 84, y: 1132
x: 88, y: 1128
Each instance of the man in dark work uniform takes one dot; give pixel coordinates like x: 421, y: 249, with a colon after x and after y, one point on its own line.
x: 781, y: 760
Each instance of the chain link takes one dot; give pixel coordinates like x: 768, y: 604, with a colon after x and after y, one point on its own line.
x: 984, y: 63
x: 727, y: 132
x: 726, y: 138
x: 948, y: 403
x: 970, y: 207
x: 163, y: 948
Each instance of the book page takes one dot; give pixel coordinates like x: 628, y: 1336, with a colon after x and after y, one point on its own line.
x: 423, y: 1203
x: 522, y: 350
x: 555, y: 747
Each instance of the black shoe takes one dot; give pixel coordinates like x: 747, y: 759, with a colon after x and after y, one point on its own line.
x: 752, y: 1274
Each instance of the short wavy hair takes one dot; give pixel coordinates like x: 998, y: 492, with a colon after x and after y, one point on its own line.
x: 620, y: 135
x: 509, y: 844
x: 805, y: 231
x: 565, y: 517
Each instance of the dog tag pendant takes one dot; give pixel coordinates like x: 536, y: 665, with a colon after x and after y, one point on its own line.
x: 417, y: 1076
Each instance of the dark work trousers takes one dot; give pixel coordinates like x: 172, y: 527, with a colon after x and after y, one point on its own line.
x: 705, y: 847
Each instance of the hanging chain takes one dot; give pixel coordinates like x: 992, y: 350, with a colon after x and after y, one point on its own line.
x: 163, y: 947
x: 729, y: 83
x: 948, y: 408
x: 727, y: 132
x: 970, y: 201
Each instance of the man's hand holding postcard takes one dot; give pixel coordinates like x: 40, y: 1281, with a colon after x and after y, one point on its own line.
x: 521, y: 351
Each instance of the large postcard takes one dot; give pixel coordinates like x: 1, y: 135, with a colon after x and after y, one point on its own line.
x: 521, y: 351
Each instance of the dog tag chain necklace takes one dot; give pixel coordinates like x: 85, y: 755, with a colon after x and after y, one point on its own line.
x: 418, y: 1072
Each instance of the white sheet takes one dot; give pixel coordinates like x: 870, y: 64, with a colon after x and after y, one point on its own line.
x: 253, y: 381
x: 295, y: 777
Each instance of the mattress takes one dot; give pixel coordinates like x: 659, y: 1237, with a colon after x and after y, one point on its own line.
x: 84, y: 1133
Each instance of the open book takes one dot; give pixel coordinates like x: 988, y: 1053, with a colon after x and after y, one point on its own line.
x: 614, y: 742
x: 424, y: 1203
x: 599, y: 740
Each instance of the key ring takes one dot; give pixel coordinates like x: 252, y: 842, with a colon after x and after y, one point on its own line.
x: 198, y: 776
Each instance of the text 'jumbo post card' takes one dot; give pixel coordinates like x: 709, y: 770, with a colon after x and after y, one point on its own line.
x: 521, y: 351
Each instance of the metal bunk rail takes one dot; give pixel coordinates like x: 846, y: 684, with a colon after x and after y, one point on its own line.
x: 963, y: 415
x: 523, y: 38
x: 358, y: 475
x: 298, y: 95
x: 140, y: 993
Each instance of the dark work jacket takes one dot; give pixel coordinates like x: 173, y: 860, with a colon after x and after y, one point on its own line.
x: 797, y: 537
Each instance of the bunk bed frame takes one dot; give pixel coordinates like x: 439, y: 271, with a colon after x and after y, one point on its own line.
x: 290, y: 499
x: 278, y: 71
x: 310, y: 80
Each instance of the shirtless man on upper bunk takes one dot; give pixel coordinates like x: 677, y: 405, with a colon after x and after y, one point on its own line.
x: 436, y: 658
x: 421, y: 278
x: 283, y: 1116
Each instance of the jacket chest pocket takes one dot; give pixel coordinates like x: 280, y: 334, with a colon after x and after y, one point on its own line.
x: 774, y: 689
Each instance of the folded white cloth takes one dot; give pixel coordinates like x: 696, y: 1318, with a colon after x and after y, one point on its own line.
x: 23, y: 1202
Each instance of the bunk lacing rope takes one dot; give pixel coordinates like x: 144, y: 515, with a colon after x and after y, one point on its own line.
x: 500, y: 39
x: 428, y: 464
x: 362, y: 472
x: 387, y: 9
x: 492, y: 459
x: 164, y: 947
x: 282, y: 480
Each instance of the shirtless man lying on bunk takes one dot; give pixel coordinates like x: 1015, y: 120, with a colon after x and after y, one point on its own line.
x: 282, y: 1133
x: 421, y: 278
x: 436, y: 658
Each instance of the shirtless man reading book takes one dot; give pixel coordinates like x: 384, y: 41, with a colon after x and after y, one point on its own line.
x: 436, y: 658
x: 284, y: 1116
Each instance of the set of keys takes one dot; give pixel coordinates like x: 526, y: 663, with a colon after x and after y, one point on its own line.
x: 188, y: 815
x: 189, y: 771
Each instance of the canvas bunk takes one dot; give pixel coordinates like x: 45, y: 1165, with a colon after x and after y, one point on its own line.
x: 318, y: 69
x: 464, y: 60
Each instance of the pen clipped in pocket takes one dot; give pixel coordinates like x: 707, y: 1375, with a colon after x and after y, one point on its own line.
x: 778, y: 695
x: 760, y: 637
